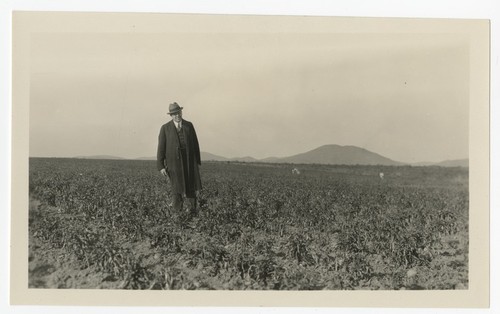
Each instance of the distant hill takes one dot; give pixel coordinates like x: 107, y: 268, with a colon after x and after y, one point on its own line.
x: 146, y: 158
x: 327, y: 154
x: 423, y: 163
x: 270, y: 159
x: 341, y: 155
x: 211, y: 157
x: 204, y: 157
x: 454, y: 163
x: 99, y: 157
x: 245, y: 159
x: 447, y: 163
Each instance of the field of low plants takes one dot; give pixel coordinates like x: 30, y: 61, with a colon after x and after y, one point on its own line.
x: 109, y: 224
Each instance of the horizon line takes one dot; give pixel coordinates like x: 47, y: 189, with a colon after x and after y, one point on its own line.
x: 153, y: 157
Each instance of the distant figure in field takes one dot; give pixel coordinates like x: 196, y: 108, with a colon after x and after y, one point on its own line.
x: 295, y: 171
x: 381, y: 175
x: 178, y: 158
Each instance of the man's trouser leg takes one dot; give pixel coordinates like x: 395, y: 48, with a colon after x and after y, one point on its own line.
x: 191, y: 198
x: 177, y: 202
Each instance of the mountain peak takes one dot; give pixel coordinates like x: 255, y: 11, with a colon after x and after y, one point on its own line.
x: 337, y: 154
x: 326, y: 154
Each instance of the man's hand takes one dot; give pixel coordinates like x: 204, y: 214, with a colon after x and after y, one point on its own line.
x: 163, y: 172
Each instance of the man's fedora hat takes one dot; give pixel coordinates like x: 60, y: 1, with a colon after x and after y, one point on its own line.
x: 174, y: 108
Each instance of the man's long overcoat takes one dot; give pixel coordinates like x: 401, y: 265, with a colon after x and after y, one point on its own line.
x: 169, y: 157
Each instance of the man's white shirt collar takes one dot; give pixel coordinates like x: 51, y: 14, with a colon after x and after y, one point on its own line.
x: 178, y: 124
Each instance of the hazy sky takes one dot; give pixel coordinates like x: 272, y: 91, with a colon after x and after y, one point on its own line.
x: 404, y: 96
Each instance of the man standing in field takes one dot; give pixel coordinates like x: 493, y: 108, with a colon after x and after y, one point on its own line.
x: 178, y: 158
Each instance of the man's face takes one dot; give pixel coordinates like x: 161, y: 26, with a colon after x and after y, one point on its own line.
x: 177, y: 117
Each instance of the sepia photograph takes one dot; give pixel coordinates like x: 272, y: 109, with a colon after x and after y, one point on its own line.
x: 252, y: 153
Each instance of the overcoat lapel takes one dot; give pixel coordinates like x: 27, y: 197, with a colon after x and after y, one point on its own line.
x: 172, y: 133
